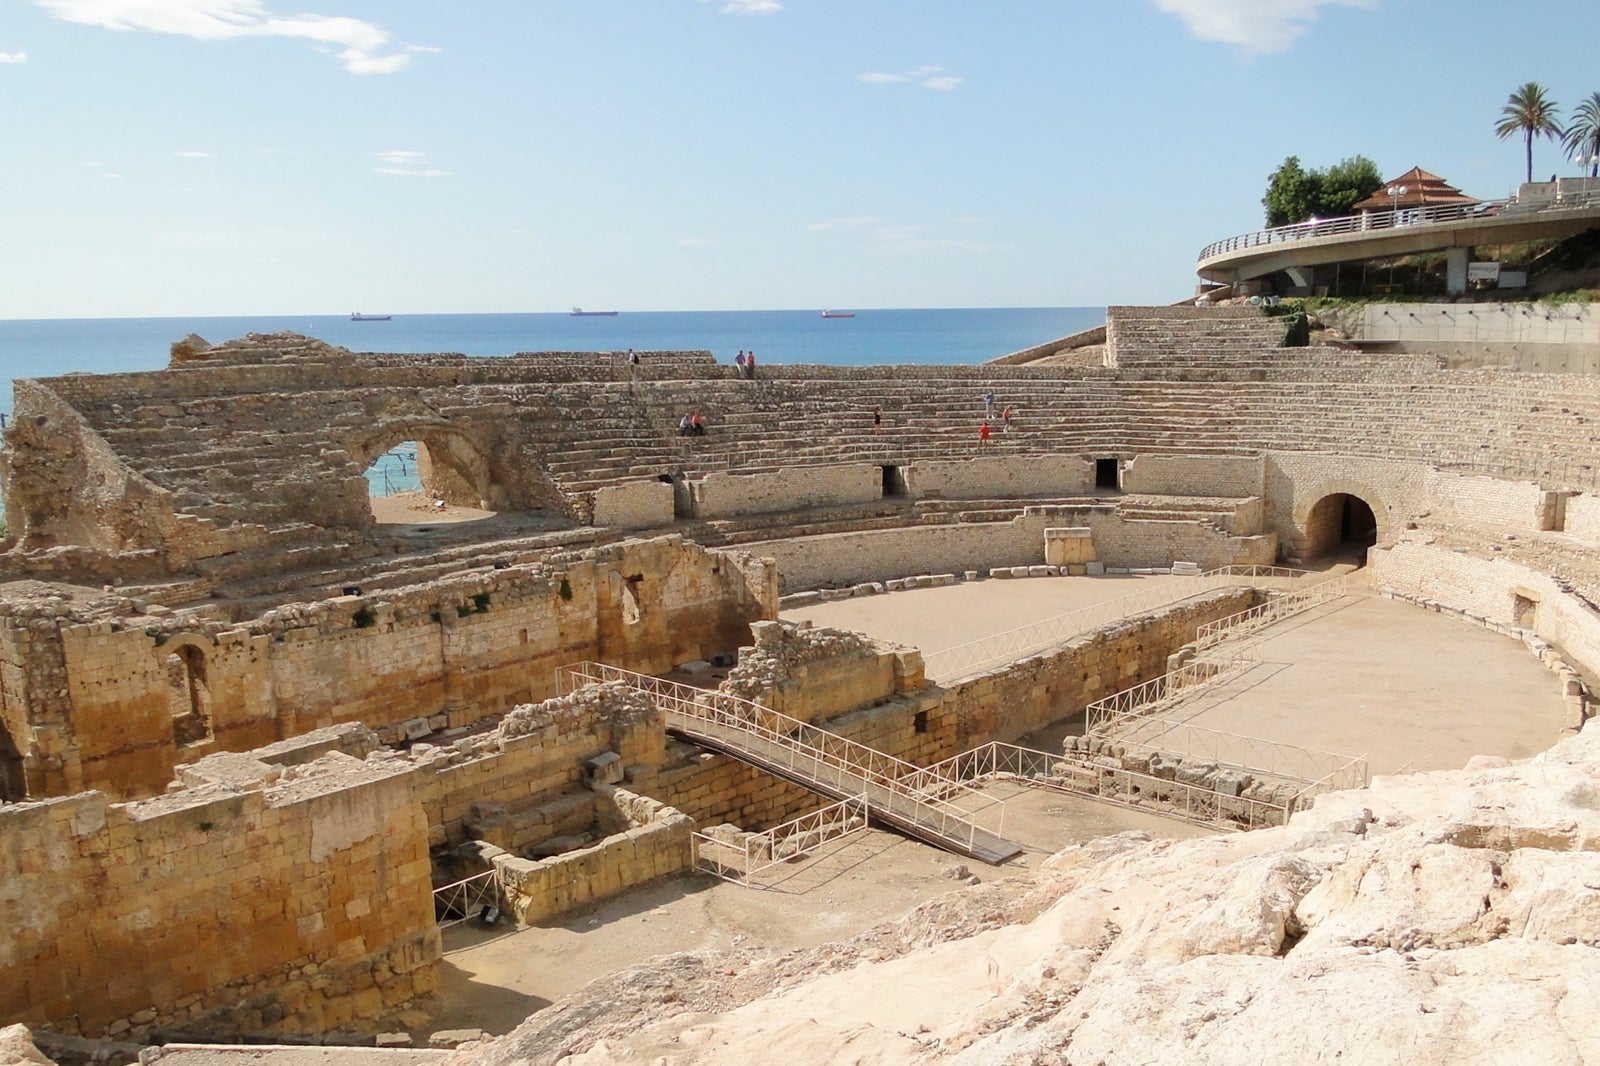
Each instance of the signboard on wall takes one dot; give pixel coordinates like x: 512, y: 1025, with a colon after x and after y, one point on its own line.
x: 1513, y: 279
x: 1483, y: 272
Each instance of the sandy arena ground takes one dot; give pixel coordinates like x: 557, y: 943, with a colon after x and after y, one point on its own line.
x: 1362, y: 675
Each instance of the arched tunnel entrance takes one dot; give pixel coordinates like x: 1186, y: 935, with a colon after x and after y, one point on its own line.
x: 1340, y: 526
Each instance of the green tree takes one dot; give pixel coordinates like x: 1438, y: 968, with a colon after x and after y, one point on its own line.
x: 1295, y: 194
x: 1582, y: 138
x: 1347, y: 183
x: 1530, y: 112
x: 1292, y: 194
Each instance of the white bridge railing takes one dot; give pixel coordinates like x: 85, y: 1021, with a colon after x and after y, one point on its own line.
x: 962, y: 660
x: 1163, y: 693
x: 893, y: 787
x: 1276, y: 609
x: 744, y: 858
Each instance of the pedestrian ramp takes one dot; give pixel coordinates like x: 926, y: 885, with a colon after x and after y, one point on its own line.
x: 932, y: 806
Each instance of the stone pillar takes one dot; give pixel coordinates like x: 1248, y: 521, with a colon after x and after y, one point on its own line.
x: 1455, y: 270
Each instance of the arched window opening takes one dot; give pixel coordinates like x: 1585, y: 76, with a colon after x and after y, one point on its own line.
x: 188, y: 696
x: 436, y: 477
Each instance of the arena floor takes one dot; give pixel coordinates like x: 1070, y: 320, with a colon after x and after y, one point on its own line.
x: 1408, y: 688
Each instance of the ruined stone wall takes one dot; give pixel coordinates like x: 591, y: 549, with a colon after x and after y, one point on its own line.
x: 1194, y: 475
x: 1003, y: 477
x: 299, y: 907
x: 1149, y: 542
x: 634, y: 505
x: 871, y: 555
x: 651, y: 841
x: 723, y: 495
x: 1582, y: 514
x: 90, y: 704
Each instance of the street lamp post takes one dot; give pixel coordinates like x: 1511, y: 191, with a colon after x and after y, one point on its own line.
x: 1395, y: 193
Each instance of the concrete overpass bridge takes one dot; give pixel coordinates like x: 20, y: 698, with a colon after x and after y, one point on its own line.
x: 1449, y: 228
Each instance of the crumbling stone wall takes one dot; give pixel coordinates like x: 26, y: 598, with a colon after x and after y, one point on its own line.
x: 298, y: 903
x: 88, y: 700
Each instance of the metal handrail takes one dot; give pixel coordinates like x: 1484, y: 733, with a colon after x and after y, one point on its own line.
x: 1393, y: 218
x: 467, y: 897
x: 959, y: 660
x: 762, y: 851
x: 1274, y: 610
x: 1172, y: 687
x: 905, y: 790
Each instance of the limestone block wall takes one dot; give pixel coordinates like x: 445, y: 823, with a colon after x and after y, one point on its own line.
x: 720, y: 495
x: 651, y: 841
x: 816, y: 673
x: 91, y: 704
x: 634, y: 505
x: 536, y: 754
x: 1500, y: 591
x: 1582, y: 517
x: 300, y: 906
x: 1011, y: 701
x: 1194, y: 475
x: 1148, y: 542
x: 851, y: 558
x: 999, y: 477
x: 713, y: 789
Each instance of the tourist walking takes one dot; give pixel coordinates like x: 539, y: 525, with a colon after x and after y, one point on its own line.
x: 983, y: 433
x: 750, y: 364
x: 877, y: 420
x: 988, y: 405
x: 738, y: 362
x: 1005, y: 418
x: 633, y: 365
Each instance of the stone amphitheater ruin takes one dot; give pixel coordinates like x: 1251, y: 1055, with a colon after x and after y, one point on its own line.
x: 249, y: 730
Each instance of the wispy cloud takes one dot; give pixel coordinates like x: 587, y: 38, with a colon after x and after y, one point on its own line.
x: 194, y: 155
x: 751, y: 7
x: 405, y: 163
x: 363, y: 47
x: 1256, y: 26
x: 927, y: 77
x: 843, y: 223
x: 13, y: 57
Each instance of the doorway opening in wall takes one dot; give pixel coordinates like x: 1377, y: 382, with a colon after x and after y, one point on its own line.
x: 1340, y: 526
x: 1106, y: 474
x: 13, y: 786
x: 682, y: 496
x: 893, y: 483
x: 1524, y: 611
x: 188, y: 696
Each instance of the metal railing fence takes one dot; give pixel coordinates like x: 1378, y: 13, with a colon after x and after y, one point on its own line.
x: 805, y: 752
x: 467, y: 898
x: 1276, y: 609
x: 1164, y: 692
x: 1285, y: 763
x: 755, y: 853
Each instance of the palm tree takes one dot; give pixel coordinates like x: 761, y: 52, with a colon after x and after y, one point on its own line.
x: 1530, y: 112
x: 1582, y: 138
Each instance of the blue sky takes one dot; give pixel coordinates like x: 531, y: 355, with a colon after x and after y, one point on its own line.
x: 198, y: 157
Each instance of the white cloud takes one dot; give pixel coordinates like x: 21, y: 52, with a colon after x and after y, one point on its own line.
x: 194, y: 155
x: 1256, y: 26
x: 751, y: 7
x: 13, y: 57
x: 405, y: 163
x: 363, y: 47
x: 843, y: 223
x: 927, y: 77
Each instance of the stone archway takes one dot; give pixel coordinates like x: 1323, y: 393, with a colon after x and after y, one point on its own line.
x: 451, y: 465
x: 1340, y: 523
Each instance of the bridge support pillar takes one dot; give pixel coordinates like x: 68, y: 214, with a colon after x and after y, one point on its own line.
x: 1455, y: 270
x: 1301, y: 276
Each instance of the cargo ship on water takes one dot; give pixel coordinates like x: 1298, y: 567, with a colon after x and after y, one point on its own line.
x: 837, y: 314
x: 578, y: 312
x: 357, y: 316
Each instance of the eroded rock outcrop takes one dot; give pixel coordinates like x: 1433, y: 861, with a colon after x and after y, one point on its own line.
x: 1444, y: 917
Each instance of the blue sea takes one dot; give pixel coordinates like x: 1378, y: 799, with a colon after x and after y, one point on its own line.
x: 47, y: 347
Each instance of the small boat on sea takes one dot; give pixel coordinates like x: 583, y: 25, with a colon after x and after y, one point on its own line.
x: 357, y: 316
x: 579, y: 312
x: 837, y: 314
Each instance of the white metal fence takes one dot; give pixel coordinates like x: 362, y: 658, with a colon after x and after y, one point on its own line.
x: 963, y: 660
x: 893, y: 787
x: 1163, y: 693
x: 1276, y: 609
x: 467, y: 898
x: 747, y: 856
